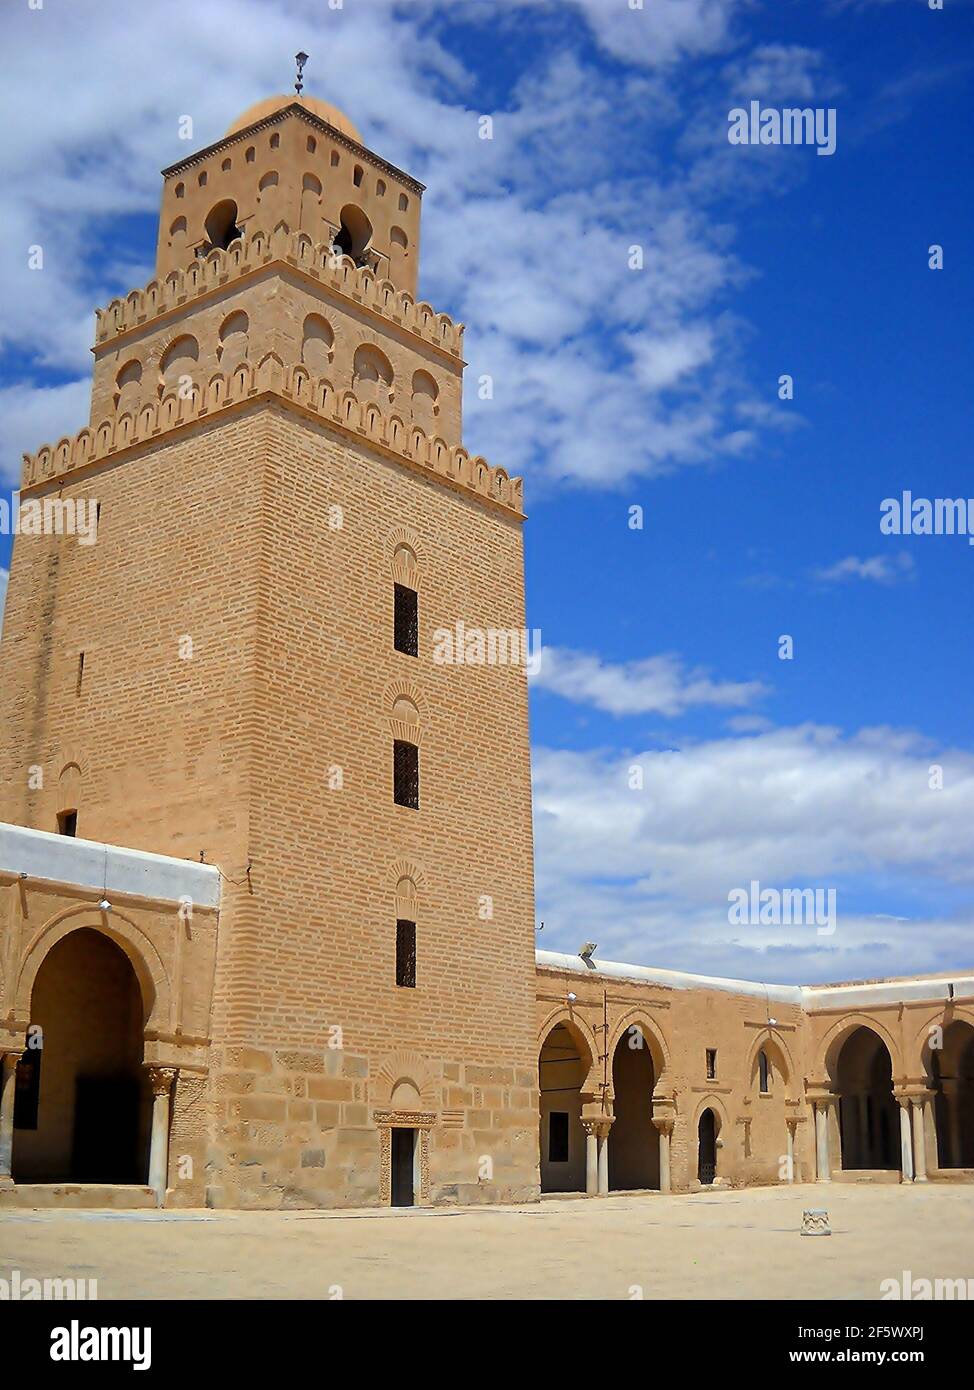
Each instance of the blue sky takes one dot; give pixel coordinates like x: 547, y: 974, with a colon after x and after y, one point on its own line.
x: 616, y: 387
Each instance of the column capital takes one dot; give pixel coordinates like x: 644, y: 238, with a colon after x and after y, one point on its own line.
x: 664, y: 1123
x: 161, y: 1078
x: 13, y: 1042
x: 595, y: 1124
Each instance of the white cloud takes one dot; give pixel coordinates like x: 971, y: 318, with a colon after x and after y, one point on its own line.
x: 647, y: 872
x: 881, y: 569
x: 661, y: 360
x: 662, y: 30
x: 656, y: 685
x: 777, y: 73
x: 35, y: 415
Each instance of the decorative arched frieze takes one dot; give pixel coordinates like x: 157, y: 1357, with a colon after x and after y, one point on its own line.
x: 145, y: 959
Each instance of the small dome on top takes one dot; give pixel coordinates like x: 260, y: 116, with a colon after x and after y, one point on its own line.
x: 322, y: 109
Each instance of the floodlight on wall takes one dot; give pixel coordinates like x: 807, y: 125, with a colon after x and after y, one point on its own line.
x: 572, y: 997
x: 772, y: 1023
x: 588, y: 950
x: 105, y: 905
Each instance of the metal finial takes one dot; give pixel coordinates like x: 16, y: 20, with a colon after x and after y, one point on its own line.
x: 300, y: 59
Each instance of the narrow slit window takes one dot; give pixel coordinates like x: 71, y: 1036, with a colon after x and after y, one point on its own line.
x: 711, y: 1063
x: 406, y: 620
x: 406, y: 773
x: 405, y: 954
x: 764, y: 1073
x: 81, y: 672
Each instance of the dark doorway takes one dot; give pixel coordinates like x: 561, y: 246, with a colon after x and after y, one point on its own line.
x: 403, y: 1158
x: 106, y: 1130
x: 707, y: 1147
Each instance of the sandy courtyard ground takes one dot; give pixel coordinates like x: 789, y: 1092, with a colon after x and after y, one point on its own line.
x: 735, y: 1244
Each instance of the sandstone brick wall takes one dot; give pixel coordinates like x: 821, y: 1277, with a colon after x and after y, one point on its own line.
x: 679, y: 1026
x: 224, y: 536
x: 319, y: 935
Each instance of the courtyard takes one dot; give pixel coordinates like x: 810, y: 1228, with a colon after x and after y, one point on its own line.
x: 721, y: 1244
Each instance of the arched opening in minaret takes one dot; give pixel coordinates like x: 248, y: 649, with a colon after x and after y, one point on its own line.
x: 355, y: 233
x: 221, y: 224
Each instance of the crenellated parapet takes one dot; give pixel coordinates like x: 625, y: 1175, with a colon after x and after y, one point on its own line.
x: 282, y: 247
x: 354, y: 417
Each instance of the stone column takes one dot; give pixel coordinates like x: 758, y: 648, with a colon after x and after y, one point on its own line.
x: 8, y: 1083
x: 919, y: 1139
x: 823, y: 1168
x: 790, y: 1127
x: 603, y: 1160
x: 161, y: 1079
x: 591, y: 1158
x: 665, y: 1128
x: 906, y: 1140
x: 951, y: 1092
x: 865, y: 1139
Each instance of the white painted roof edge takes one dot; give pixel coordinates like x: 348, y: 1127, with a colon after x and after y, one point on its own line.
x: 672, y: 979
x: 89, y: 864
x: 811, y: 998
x: 819, y: 997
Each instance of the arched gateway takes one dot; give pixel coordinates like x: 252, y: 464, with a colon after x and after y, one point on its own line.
x: 83, y: 1106
x: 869, y: 1125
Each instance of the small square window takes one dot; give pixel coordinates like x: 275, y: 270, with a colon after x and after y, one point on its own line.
x: 67, y: 822
x: 405, y: 954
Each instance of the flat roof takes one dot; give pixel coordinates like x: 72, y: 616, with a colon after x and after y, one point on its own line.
x: 811, y: 998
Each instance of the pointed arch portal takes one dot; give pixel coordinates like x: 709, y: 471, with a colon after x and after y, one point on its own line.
x: 83, y: 1109
x: 869, y: 1125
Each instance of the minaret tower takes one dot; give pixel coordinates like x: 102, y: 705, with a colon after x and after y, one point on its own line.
x: 241, y: 669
